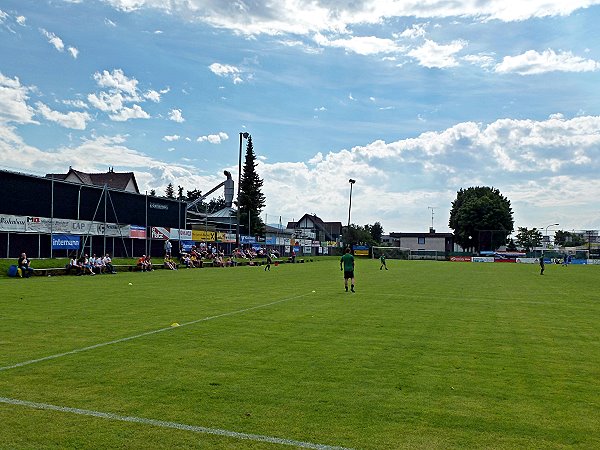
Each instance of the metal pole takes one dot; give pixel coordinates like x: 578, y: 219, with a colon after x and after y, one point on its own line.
x: 351, y: 181
x: 146, y: 229
x: 52, y: 216
x: 104, y: 240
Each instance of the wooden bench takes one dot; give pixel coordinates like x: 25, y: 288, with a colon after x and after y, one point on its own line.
x: 49, y: 271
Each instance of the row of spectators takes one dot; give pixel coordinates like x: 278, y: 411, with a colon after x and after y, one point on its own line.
x: 86, y: 265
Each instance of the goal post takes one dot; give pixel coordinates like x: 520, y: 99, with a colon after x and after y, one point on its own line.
x: 390, y: 252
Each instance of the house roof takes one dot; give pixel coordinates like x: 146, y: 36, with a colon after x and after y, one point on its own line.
x: 424, y: 234
x: 329, y: 228
x: 112, y: 179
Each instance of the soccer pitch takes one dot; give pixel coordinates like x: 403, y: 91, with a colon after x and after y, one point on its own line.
x: 425, y: 355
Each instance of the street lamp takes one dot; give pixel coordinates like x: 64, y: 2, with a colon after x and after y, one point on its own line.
x: 351, y: 181
x: 547, y: 238
x: 243, y: 135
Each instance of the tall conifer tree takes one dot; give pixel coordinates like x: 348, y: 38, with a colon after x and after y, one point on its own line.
x: 252, y: 200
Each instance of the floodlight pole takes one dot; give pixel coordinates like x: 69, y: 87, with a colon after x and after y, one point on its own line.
x: 551, y: 225
x: 351, y: 181
x: 243, y: 135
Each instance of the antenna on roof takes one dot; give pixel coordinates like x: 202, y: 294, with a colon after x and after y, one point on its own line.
x: 431, y: 230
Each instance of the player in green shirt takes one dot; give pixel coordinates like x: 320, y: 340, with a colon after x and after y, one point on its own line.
x: 347, y: 265
x: 382, y: 259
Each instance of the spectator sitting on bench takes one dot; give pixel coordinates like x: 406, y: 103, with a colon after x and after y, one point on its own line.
x: 184, y: 258
x: 24, y: 265
x: 141, y: 263
x: 74, y: 266
x: 149, y: 263
x: 108, y: 264
x: 97, y: 264
x: 170, y: 264
x: 85, y: 265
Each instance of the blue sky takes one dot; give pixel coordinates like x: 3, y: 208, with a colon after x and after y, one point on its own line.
x: 414, y: 100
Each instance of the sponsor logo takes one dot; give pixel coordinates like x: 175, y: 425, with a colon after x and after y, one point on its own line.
x: 33, y: 220
x: 159, y: 206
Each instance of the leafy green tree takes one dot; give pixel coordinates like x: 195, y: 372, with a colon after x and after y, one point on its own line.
x: 568, y: 239
x: 355, y: 234
x: 376, y: 231
x: 215, y: 204
x: 529, y: 239
x: 170, y: 191
x: 252, y: 200
x: 481, y: 212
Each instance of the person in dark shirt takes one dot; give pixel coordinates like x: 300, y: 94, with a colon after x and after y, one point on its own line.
x: 347, y: 265
x: 24, y: 265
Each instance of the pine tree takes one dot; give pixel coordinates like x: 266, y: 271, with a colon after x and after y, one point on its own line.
x: 180, y: 193
x: 152, y: 193
x: 252, y: 200
x: 170, y: 191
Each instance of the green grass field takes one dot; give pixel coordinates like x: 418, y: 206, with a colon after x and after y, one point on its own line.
x: 425, y: 355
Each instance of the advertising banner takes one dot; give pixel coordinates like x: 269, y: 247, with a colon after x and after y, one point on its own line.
x: 325, y: 250
x: 483, y: 259
x: 306, y: 250
x: 137, y: 232
x: 360, y: 250
x: 65, y: 242
x: 161, y: 233
x: 186, y: 246
x: 460, y: 258
x: 247, y: 239
x: 226, y: 237
x: 203, y: 235
x: 528, y: 260
x: 12, y: 223
x: 178, y: 234
x: 271, y: 240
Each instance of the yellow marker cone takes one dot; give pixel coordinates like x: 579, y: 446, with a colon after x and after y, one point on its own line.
x: 174, y: 324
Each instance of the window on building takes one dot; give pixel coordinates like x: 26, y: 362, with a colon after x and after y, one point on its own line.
x: 421, y: 240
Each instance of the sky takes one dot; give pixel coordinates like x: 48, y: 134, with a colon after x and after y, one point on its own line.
x: 413, y: 99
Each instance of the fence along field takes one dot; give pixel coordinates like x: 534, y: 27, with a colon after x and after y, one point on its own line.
x: 425, y: 355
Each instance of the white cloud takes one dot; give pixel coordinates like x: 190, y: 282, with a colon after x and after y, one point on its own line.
x: 152, y: 95
x: 305, y: 17
x: 106, y: 102
x: 434, y: 55
x: 117, y: 80
x: 73, y: 51
x: 214, y: 138
x: 171, y: 138
x: 363, y: 45
x: 483, y: 60
x: 109, y: 22
x: 54, y: 40
x: 74, y: 119
x: 417, y: 30
x: 533, y: 63
x: 13, y: 101
x: 126, y: 113
x: 76, y: 103
x: 176, y: 116
x: 21, y: 20
x: 227, y: 71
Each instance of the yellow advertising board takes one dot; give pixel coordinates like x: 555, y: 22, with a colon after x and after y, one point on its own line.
x: 203, y: 236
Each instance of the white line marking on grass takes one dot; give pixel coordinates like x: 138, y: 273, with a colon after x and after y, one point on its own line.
x: 148, y: 333
x: 174, y: 425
